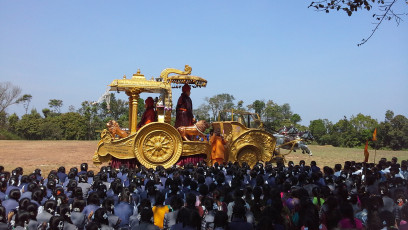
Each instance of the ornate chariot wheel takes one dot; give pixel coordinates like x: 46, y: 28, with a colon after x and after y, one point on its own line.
x: 158, y: 144
x: 252, y: 146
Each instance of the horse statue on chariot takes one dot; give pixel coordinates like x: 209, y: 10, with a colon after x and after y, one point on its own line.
x: 291, y: 139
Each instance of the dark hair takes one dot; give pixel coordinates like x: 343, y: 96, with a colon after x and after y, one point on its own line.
x: 101, y: 216
x: 72, y: 184
x: 3, y: 218
x: 83, y: 178
x: 65, y: 212
x: 22, y: 218
x: 23, y: 203
x: 78, y: 205
x: 15, y: 194
x: 189, y: 217
x: 146, y: 214
x: 32, y: 209
x: 160, y: 198
x: 50, y: 206
x: 56, y: 223
x: 37, y: 195
x: 108, y: 204
x: 84, y: 166
x: 176, y: 203
x: 404, y: 212
x: 190, y: 200
x: 93, y: 198
x: 239, y: 209
x: 61, y: 169
x: 13, y: 181
x: 220, y: 219
x: 346, y: 211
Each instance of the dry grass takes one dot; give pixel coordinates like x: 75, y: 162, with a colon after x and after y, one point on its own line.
x: 48, y: 155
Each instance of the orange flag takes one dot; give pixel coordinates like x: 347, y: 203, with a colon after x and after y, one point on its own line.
x: 366, y: 153
x: 375, y: 135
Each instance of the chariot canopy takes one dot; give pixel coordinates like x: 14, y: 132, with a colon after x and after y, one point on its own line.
x: 162, y: 85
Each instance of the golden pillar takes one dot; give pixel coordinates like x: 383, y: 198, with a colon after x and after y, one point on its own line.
x: 133, y: 100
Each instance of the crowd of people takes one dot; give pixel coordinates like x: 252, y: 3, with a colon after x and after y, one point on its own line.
x: 224, y: 196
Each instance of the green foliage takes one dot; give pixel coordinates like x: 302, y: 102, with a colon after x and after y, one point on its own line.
x: 295, y: 118
x: 12, y: 122
x: 29, y: 126
x: 219, y: 103
x: 73, y: 126
x: 55, y: 105
x: 7, y: 135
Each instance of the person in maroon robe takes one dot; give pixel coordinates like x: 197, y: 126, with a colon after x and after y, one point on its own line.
x: 184, y: 108
x: 149, y: 115
x: 184, y: 117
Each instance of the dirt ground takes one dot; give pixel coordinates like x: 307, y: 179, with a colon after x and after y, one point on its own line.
x: 49, y: 155
x: 46, y: 155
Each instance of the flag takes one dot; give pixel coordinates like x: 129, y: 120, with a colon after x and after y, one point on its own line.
x: 366, y: 153
x: 375, y: 135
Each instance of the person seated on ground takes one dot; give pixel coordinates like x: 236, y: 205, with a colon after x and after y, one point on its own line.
x: 123, y: 209
x: 149, y: 115
x: 146, y: 215
x: 12, y: 202
x: 238, y: 220
x: 159, y: 210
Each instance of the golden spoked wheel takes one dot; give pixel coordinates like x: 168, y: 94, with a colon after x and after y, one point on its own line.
x: 249, y: 154
x: 158, y: 144
x: 252, y: 146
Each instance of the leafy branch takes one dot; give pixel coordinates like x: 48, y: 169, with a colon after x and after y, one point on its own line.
x: 352, y: 6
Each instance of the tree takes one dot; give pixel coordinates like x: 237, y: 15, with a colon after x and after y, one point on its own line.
x: 399, y: 132
x: 46, y: 112
x: 118, y: 108
x: 29, y: 126
x: 201, y: 113
x: 285, y: 110
x: 55, y: 105
x: 295, y: 118
x: 12, y: 122
x: 26, y: 99
x: 389, y: 115
x: 386, y: 9
x: 258, y: 106
x: 73, y: 126
x: 219, y: 103
x: 240, y: 105
x: 92, y: 120
x: 9, y: 95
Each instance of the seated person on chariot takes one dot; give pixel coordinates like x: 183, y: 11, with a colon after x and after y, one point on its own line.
x: 149, y: 115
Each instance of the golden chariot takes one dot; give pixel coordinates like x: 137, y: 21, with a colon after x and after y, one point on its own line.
x: 159, y: 143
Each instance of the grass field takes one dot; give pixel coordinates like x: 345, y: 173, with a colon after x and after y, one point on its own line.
x: 48, y: 155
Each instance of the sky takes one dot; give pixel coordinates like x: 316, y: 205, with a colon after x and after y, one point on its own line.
x: 254, y: 50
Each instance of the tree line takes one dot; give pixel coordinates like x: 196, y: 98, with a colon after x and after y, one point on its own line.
x: 90, y: 119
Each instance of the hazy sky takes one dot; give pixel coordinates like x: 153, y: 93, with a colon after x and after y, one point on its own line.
x: 270, y: 50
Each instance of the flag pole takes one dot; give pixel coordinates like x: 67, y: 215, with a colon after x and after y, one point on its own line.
x: 375, y: 141
x: 375, y: 151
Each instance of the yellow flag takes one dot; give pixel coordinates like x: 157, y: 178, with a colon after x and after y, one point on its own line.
x: 375, y: 135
